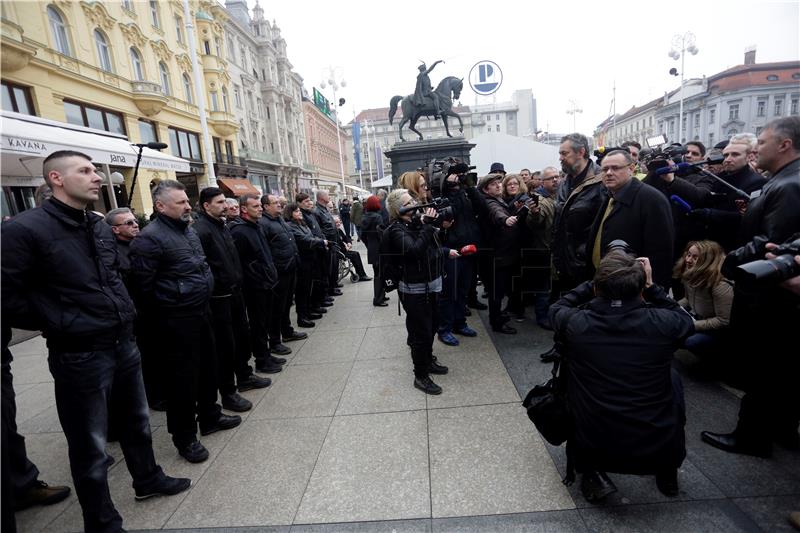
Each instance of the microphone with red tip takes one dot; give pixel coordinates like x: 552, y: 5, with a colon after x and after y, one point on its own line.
x: 468, y: 249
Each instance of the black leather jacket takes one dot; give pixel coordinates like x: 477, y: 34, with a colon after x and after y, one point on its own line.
x: 169, y: 267
x: 575, y: 214
x: 419, y: 249
x: 258, y: 267
x: 60, y: 275
x: 325, y: 221
x: 281, y: 243
x: 221, y: 254
x: 307, y: 244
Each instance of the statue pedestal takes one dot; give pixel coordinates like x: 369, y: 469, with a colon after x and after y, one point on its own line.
x: 411, y: 155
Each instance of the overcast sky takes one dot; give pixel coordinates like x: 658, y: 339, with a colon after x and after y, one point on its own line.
x: 569, y: 50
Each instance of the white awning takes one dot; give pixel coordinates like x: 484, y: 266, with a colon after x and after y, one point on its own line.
x: 383, y: 182
x: 358, y: 189
x: 27, y: 140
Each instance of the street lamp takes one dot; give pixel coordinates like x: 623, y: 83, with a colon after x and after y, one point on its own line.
x: 573, y: 110
x: 369, y: 150
x: 335, y: 85
x: 680, y: 45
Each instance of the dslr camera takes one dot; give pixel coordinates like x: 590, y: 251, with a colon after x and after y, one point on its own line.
x: 659, y: 153
x: 774, y: 270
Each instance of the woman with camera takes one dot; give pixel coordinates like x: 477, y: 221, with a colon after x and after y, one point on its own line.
x: 413, y: 249
x: 416, y: 185
x: 708, y: 295
x: 515, y: 194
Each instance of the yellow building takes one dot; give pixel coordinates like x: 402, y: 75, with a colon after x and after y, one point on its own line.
x: 124, y: 67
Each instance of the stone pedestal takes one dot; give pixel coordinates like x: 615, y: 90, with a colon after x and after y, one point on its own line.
x: 411, y: 155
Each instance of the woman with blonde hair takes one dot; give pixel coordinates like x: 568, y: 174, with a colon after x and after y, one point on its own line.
x: 415, y: 184
x: 515, y: 194
x: 709, y: 295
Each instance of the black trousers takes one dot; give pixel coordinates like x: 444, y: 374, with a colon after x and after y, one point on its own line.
x: 422, y: 322
x: 497, y: 280
x: 192, y: 366
x: 333, y: 268
x: 320, y: 278
x: 154, y: 371
x: 231, y: 340
x: 378, y: 292
x: 83, y: 382
x: 258, y: 305
x: 19, y: 473
x: 355, y: 258
x: 302, y: 291
x: 280, y: 304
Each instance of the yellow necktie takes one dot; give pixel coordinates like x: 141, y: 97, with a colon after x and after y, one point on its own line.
x: 596, y: 250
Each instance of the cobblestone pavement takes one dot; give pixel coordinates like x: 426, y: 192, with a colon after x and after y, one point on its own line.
x: 342, y: 442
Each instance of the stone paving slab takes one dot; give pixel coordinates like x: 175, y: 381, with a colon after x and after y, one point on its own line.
x: 486, y: 460
x: 381, y: 386
x: 253, y: 484
x: 542, y: 522
x: 330, y: 346
x: 371, y: 467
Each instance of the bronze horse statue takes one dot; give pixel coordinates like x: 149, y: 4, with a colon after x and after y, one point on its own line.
x: 412, y: 112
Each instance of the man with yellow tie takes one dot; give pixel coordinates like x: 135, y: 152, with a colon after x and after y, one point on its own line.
x: 635, y: 213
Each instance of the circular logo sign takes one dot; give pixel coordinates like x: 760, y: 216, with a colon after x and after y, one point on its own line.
x: 485, y: 77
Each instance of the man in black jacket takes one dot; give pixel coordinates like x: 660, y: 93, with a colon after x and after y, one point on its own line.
x: 764, y: 317
x: 286, y: 258
x: 60, y: 275
x: 320, y: 299
x: 635, y: 213
x: 260, y: 276
x: 326, y: 224
x: 231, y: 330
x: 174, y: 282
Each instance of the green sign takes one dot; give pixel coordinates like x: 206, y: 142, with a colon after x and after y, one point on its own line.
x: 321, y: 102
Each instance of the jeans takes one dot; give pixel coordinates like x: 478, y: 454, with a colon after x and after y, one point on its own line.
x: 703, y: 344
x: 422, y: 317
x: 83, y: 381
x: 453, y: 299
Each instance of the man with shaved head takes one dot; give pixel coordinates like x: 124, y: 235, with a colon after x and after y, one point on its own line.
x: 60, y: 276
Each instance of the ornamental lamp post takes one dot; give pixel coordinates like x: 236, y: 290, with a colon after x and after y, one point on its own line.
x: 680, y: 45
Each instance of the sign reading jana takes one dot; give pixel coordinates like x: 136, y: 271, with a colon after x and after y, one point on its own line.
x: 485, y: 77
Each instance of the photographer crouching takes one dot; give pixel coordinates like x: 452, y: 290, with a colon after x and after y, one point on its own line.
x: 618, y: 335
x: 412, y: 248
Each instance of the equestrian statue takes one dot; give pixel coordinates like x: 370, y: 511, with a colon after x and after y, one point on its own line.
x: 430, y: 103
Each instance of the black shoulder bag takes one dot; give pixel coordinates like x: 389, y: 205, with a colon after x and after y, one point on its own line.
x: 548, y: 410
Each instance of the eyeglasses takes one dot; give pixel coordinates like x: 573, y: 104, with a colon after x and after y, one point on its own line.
x: 128, y: 223
x: 613, y: 168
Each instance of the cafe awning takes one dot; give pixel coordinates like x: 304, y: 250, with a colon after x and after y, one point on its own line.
x: 237, y: 187
x: 27, y: 140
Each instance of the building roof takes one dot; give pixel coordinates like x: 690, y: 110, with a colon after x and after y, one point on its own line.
x: 743, y: 76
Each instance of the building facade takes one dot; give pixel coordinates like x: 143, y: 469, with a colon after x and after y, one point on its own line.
x: 123, y: 67
x: 325, y: 148
x: 266, y: 99
x: 516, y: 118
x: 737, y: 100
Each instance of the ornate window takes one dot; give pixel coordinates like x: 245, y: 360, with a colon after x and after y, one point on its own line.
x: 225, y: 103
x: 103, y: 51
x: 59, y: 30
x: 136, y: 65
x: 187, y: 88
x: 165, y: 86
x: 179, y: 28
x: 154, y: 18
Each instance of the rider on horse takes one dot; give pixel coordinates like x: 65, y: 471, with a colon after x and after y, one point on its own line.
x: 424, y: 88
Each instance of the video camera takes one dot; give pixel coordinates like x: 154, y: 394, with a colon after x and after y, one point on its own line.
x: 659, y: 153
x: 774, y: 270
x: 439, y: 169
x: 603, y: 151
x: 442, y: 206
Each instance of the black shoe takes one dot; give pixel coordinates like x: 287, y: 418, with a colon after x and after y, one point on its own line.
x: 276, y: 360
x: 730, y: 442
x: 222, y: 423
x: 596, y: 486
x: 339, y: 286
x: 326, y: 304
x: 295, y: 336
x: 385, y: 298
x: 789, y: 440
x: 436, y: 368
x: 318, y: 311
x: 253, y: 382
x: 467, y: 312
x: 280, y: 349
x: 158, y: 405
x: 480, y: 306
x: 427, y: 386
x: 234, y: 402
x: 313, y: 316
x: 329, y: 299
x: 364, y: 278
x: 41, y: 494
x: 169, y: 486
x: 305, y: 323
x: 336, y: 292
x: 194, y: 452
x: 504, y: 328
x: 268, y: 367
x: 549, y: 356
x: 380, y: 304
x: 667, y: 482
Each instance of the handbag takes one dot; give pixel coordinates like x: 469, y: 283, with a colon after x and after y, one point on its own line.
x: 548, y: 409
